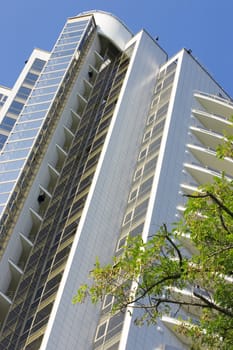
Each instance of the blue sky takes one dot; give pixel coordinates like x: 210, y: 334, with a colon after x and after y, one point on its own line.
x: 205, y: 26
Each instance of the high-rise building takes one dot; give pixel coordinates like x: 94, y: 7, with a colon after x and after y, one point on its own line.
x: 111, y: 134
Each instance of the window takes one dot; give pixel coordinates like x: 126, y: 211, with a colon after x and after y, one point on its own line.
x: 31, y: 78
x: 133, y: 195
x: 2, y: 99
x: 114, y: 346
x: 127, y: 217
x: 7, y: 123
x: 2, y: 140
x: 154, y: 146
x: 161, y: 74
x: 23, y: 92
x: 137, y: 230
x: 115, y: 320
x: 15, y: 107
x: 146, y: 136
x: 168, y: 80
x: 138, y: 173
x: 142, y: 154
x: 154, y: 102
x: 141, y: 208
x: 146, y: 185
x: 108, y: 299
x: 161, y: 111
x: 101, y: 330
x: 151, y: 164
x: 121, y: 243
x: 38, y: 64
x: 158, y: 87
x: 150, y: 119
x: 171, y: 67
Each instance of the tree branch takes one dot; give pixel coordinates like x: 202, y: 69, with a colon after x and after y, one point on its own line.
x: 229, y: 247
x: 214, y: 306
x: 174, y: 245
x: 214, y: 198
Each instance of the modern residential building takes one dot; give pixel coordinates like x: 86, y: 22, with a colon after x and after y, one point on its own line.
x: 110, y: 136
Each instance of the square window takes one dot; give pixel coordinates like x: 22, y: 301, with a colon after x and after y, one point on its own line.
x: 133, y: 195
x: 101, y: 330
x: 127, y: 217
x: 121, y: 243
x: 150, y: 119
x: 142, y: 154
x: 154, y: 102
x: 108, y: 299
x: 138, y: 173
x: 146, y: 136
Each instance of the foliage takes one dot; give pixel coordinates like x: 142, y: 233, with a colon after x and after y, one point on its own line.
x: 152, y: 275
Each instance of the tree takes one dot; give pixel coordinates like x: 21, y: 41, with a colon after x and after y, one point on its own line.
x: 152, y: 275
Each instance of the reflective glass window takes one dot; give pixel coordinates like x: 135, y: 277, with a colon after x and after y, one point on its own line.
x: 19, y: 144
x: 7, y: 123
x: 4, y: 197
x: 52, y: 75
x: 72, y: 25
x: 9, y: 176
x: 45, y: 90
x: 28, y: 125
x: 40, y: 98
x: 2, y: 140
x: 6, y: 187
x: 53, y: 68
x: 7, y: 166
x: 17, y: 154
x: 58, y: 60
x: 64, y: 47
x: 38, y: 64
x: 62, y: 53
x: 66, y: 38
x: 49, y: 82
x: 71, y: 35
x: 25, y: 134
x: 37, y: 107
x: 23, y: 92
x: 31, y: 116
x: 31, y: 78
x: 75, y: 23
x: 16, y: 107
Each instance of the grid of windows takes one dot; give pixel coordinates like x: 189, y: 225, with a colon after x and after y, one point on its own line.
x: 39, y: 101
x: 133, y: 221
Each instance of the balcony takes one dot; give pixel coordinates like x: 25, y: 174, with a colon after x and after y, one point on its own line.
x: 213, y: 122
x: 208, y: 158
x: 215, y: 105
x: 207, y: 138
x: 172, y: 323
x: 188, y: 188
x: 201, y: 174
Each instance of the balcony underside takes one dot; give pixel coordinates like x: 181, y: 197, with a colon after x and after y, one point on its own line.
x: 209, y: 159
x: 215, y: 105
x: 212, y: 122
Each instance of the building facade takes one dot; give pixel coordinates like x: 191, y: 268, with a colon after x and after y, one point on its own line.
x: 110, y: 135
